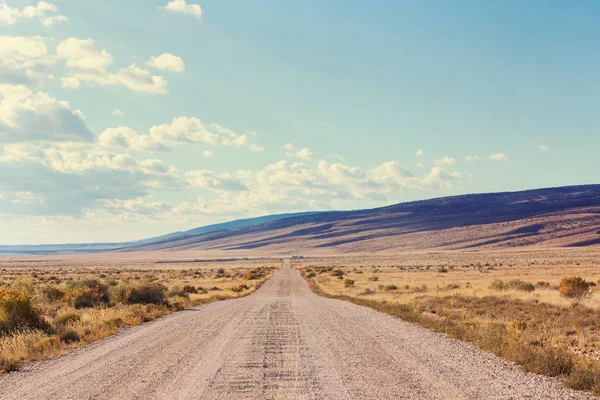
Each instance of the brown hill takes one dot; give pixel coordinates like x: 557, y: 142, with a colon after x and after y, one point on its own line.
x: 555, y: 217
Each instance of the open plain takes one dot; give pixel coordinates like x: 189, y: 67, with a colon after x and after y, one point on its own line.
x: 282, y: 342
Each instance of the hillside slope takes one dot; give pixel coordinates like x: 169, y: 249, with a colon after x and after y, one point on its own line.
x: 555, y: 217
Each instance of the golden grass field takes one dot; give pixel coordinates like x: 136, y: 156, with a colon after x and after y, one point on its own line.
x: 47, y: 308
x: 507, y: 303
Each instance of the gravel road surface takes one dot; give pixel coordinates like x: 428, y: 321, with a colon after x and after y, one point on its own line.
x: 282, y: 342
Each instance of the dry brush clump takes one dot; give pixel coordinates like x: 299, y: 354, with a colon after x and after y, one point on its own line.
x: 44, y: 313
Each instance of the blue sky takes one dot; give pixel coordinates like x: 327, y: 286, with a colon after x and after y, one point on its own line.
x: 123, y: 120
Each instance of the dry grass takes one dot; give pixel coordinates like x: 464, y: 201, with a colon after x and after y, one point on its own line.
x: 509, y: 307
x: 47, y: 311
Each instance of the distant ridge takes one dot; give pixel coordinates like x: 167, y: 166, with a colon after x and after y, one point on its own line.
x: 101, y: 247
x: 552, y: 217
x: 556, y: 217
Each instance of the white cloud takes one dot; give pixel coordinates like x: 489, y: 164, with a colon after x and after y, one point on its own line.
x: 544, y: 148
x: 303, y: 154
x: 498, y: 157
x: 167, y: 61
x: 70, y: 83
x: 24, y: 60
x: 471, y: 159
x: 46, y: 13
x: 419, y: 165
x: 89, y: 65
x: 294, y: 152
x: 256, y: 147
x: 181, y: 7
x: 211, y: 180
x: 445, y: 161
x: 182, y: 130
x: 74, y: 177
x: 208, y: 153
x: 419, y: 153
x: 82, y: 54
x: 117, y: 112
x: 28, y: 116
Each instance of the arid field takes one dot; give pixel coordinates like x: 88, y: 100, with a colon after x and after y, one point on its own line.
x: 513, y: 304
x: 510, y: 303
x: 47, y: 308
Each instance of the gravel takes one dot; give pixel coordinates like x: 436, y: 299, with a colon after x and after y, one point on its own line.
x: 282, y: 342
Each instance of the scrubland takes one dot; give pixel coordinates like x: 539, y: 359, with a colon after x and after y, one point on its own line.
x: 47, y: 309
x: 528, y: 307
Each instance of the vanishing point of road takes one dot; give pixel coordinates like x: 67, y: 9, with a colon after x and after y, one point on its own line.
x: 281, y: 342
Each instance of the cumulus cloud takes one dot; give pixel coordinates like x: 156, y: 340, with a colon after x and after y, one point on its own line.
x: 28, y: 116
x: 471, y: 159
x: 419, y: 153
x: 167, y: 61
x: 70, y: 177
x: 498, y: 157
x: 180, y: 131
x: 208, y: 153
x: 445, y: 161
x: 181, y: 7
x: 24, y: 60
x: 88, y: 64
x: 294, y: 152
x: 46, y: 13
x: 117, y: 112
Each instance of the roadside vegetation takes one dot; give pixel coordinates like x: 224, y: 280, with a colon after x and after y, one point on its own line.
x: 44, y: 313
x: 549, y: 325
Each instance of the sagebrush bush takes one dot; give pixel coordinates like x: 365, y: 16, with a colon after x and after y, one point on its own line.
x: 499, y: 285
x: 190, y: 289
x: 52, y: 294
x: 348, y: 283
x: 17, y: 312
x: 142, y: 293
x: 240, y: 288
x: 523, y: 286
x: 574, y: 287
x: 84, y: 297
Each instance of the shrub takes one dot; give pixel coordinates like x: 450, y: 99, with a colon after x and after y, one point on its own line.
x: 17, y: 312
x: 542, y: 285
x: 189, y: 289
x: 84, y: 297
x: 69, y: 336
x: 574, y: 287
x: 442, y: 270
x: 143, y: 293
x: 52, y: 294
x: 348, y: 283
x: 311, y: 275
x: 523, y: 286
x: 391, y: 287
x: 240, y: 288
x: 499, y: 285
x: 67, y: 318
x: 337, y: 272
x: 373, y: 278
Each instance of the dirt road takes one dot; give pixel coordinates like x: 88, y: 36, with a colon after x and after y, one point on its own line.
x: 282, y: 342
